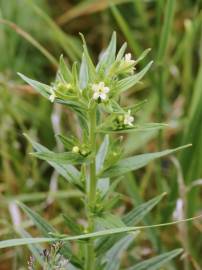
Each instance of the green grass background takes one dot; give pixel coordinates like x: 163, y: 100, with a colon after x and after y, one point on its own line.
x: 33, y: 34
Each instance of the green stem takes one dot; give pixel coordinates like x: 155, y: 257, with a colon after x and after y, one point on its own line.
x: 90, y: 254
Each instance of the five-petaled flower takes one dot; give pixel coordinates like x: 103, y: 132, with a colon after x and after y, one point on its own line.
x: 52, y: 95
x: 128, y: 119
x: 100, y: 91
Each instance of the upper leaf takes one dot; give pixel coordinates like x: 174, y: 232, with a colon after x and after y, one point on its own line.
x: 108, y: 56
x: 130, y: 81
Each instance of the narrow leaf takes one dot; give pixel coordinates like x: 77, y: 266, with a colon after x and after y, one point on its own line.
x: 102, y: 152
x: 83, y: 73
x: 40, y: 223
x: 139, y: 212
x: 130, y: 81
x: 108, y: 56
x: 64, y: 71
x: 157, y: 262
x: 137, y: 162
x: 136, y: 128
x: 69, y: 172
x: 41, y: 88
x: 61, y: 158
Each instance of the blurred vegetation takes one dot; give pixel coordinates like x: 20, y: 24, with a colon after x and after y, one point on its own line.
x: 33, y: 34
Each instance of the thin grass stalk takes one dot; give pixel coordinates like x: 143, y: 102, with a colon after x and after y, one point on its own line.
x: 164, y: 39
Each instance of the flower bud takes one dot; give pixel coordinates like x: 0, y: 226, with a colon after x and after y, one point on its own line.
x: 75, y: 149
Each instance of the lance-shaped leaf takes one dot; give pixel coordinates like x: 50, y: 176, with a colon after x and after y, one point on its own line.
x: 121, y: 51
x: 157, y: 262
x: 115, y: 252
x: 72, y: 224
x: 139, y: 212
x: 134, y: 128
x: 136, y: 162
x: 142, y: 56
x: 83, y: 73
x: 64, y: 72
x: 61, y: 158
x: 130, y: 219
x: 130, y: 81
x: 41, y: 223
x: 36, y: 249
x: 101, y: 154
x: 43, y: 89
x: 108, y: 56
x: 69, y: 172
x: 88, y: 60
x: 46, y: 228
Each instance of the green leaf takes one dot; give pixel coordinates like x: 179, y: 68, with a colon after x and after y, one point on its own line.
x: 130, y: 81
x: 115, y: 252
x: 139, y: 212
x: 109, y: 221
x: 69, y: 172
x: 143, y: 55
x: 103, y: 185
x: 89, y: 62
x: 157, y: 262
x: 113, y: 265
x: 136, y: 162
x: 46, y: 229
x: 83, y: 73
x: 72, y: 225
x: 108, y: 56
x: 136, y: 128
x: 35, y: 249
x: 101, y: 154
x: 121, y: 51
x: 68, y: 142
x: 61, y: 158
x: 41, y: 223
x: 130, y: 219
x: 41, y: 88
x: 64, y: 72
x: 78, y: 106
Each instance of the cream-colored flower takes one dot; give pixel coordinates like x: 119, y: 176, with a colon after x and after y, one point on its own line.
x: 128, y: 60
x: 75, y: 149
x: 128, y: 119
x: 52, y: 96
x: 100, y: 91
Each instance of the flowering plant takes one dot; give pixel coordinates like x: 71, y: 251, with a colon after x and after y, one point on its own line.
x: 94, y: 162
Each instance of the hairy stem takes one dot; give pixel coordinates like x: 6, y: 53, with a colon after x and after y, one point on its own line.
x: 90, y: 254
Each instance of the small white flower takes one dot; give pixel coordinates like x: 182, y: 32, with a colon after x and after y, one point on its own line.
x: 128, y: 119
x: 100, y: 91
x: 128, y: 59
x: 52, y: 96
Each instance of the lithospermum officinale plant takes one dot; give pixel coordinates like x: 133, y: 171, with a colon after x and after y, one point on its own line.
x: 93, y: 93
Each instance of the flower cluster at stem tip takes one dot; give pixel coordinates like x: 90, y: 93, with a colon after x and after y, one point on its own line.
x: 100, y: 90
